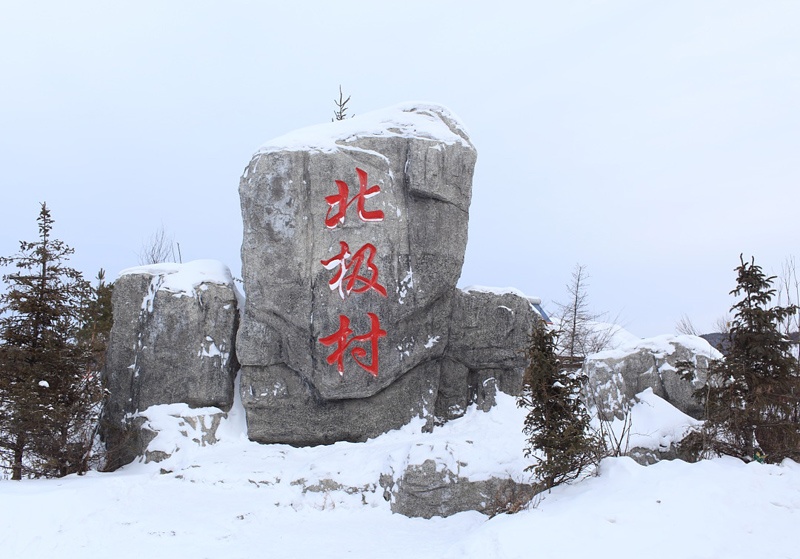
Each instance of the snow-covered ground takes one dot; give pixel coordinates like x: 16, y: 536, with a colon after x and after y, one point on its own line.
x: 240, y: 499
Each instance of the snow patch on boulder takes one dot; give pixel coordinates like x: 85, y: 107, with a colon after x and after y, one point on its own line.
x: 417, y: 120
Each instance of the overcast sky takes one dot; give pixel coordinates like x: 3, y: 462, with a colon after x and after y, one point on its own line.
x: 651, y: 141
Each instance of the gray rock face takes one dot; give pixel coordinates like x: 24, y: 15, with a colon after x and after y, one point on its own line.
x: 282, y: 407
x: 392, y: 245
x: 616, y: 376
x: 486, y: 352
x: 172, y: 341
x: 198, y: 427
x: 354, y: 237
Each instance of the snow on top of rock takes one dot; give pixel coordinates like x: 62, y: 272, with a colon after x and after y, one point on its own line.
x: 184, y: 278
x: 407, y: 120
x: 663, y: 345
x: 501, y: 291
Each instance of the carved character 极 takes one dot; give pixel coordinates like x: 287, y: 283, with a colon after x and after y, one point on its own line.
x: 348, y: 278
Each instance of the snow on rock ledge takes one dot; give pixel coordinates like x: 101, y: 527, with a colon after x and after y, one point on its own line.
x: 184, y: 279
x: 168, y: 428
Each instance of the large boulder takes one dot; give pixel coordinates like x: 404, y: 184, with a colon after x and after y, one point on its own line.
x: 354, y: 238
x: 617, y: 376
x: 172, y: 341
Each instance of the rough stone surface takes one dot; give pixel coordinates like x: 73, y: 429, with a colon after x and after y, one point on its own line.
x: 180, y: 424
x: 486, y: 352
x: 422, y: 161
x: 283, y: 407
x: 616, y: 376
x: 425, y: 188
x: 308, y: 232
x: 431, y: 489
x: 650, y: 456
x: 196, y: 427
x: 166, y: 346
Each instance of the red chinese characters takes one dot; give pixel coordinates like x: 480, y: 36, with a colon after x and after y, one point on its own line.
x: 355, y: 273
x: 343, y: 337
x: 341, y: 201
x: 348, y: 278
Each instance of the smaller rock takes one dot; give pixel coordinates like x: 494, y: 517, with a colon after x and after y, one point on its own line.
x: 616, y: 376
x: 431, y: 489
x: 172, y: 342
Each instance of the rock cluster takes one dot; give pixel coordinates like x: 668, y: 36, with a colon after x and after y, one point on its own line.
x: 354, y: 238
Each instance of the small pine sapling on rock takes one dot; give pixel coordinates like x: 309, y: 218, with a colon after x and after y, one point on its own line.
x: 557, y: 424
x: 341, y: 106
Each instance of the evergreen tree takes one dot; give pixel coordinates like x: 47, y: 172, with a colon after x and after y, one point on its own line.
x: 341, y: 106
x: 46, y: 393
x: 752, y: 397
x: 96, y: 322
x: 557, y: 424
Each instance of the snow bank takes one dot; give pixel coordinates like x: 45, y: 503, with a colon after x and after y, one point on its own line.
x: 479, y: 445
x: 655, y: 424
x: 239, y: 499
x: 715, y: 508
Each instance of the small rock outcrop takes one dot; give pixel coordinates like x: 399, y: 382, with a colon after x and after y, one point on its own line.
x: 616, y: 376
x: 431, y: 489
x: 354, y: 238
x: 172, y: 341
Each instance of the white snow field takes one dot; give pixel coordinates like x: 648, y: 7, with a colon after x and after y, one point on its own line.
x: 238, y: 499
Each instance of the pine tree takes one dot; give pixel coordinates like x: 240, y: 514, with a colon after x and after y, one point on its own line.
x: 557, y: 423
x: 341, y: 107
x: 45, y: 391
x: 96, y: 322
x: 752, y: 397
